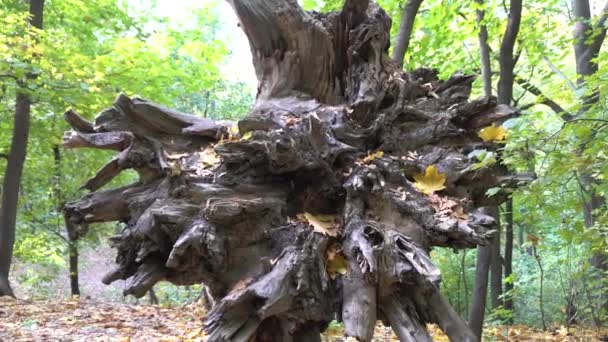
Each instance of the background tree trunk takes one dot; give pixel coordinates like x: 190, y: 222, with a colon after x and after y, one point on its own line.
x: 484, y: 253
x: 484, y: 49
x: 588, y: 40
x: 402, y: 42
x: 317, y: 208
x: 14, y: 169
x: 69, y: 227
x: 508, y: 302
x: 496, y: 268
x: 480, y: 290
x: 507, y: 61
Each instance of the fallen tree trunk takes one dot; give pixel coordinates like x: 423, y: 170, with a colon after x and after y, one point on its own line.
x: 318, y: 206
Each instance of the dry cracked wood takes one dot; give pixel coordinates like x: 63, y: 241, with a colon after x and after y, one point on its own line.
x: 221, y: 208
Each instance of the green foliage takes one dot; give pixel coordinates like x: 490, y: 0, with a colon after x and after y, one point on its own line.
x: 85, y: 55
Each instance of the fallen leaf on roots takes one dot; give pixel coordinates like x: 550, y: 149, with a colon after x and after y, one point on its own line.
x: 370, y: 157
x: 430, y: 181
x: 208, y: 157
x: 493, y: 133
x: 336, y: 261
x: 323, y: 224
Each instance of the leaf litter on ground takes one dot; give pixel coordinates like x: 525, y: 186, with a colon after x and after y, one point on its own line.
x: 80, y: 319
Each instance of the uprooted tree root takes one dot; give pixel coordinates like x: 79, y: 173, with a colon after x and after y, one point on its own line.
x: 337, y: 130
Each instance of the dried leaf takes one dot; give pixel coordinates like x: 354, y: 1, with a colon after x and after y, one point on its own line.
x: 492, y: 133
x: 534, y: 240
x: 336, y: 261
x: 430, y: 181
x: 176, y: 156
x: 208, y: 157
x: 372, y: 156
x: 323, y: 224
x: 291, y: 121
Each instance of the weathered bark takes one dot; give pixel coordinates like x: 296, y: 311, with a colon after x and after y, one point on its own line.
x: 402, y: 42
x: 496, y: 264
x: 14, y: 169
x: 328, y: 95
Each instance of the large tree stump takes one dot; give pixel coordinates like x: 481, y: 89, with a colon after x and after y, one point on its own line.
x: 221, y: 206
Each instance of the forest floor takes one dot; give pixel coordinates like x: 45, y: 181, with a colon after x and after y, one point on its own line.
x: 89, y: 320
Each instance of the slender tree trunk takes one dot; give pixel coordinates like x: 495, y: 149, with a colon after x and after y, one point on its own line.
x: 587, y: 44
x: 496, y: 268
x: 484, y: 48
x: 10, y: 193
x: 152, y: 296
x: 74, y: 285
x: 508, y: 302
x: 505, y: 94
x: 507, y: 59
x: 14, y: 169
x: 588, y: 40
x: 541, y: 301
x: 69, y: 226
x: 402, y: 42
x: 484, y: 253
x: 480, y: 290
x: 463, y: 267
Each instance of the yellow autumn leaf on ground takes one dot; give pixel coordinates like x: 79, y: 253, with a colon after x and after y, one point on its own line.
x: 336, y: 262
x: 493, y: 133
x: 324, y: 224
x: 430, y: 181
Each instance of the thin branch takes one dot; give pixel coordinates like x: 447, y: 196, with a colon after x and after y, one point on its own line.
x: 556, y: 70
x: 527, y: 106
x: 559, y: 110
x: 45, y: 226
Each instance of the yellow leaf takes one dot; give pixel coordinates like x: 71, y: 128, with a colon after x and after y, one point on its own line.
x: 247, y: 136
x: 233, y: 130
x: 324, y: 224
x: 492, y: 133
x: 430, y: 181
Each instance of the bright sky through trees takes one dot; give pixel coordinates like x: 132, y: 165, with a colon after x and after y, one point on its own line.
x: 238, y: 66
